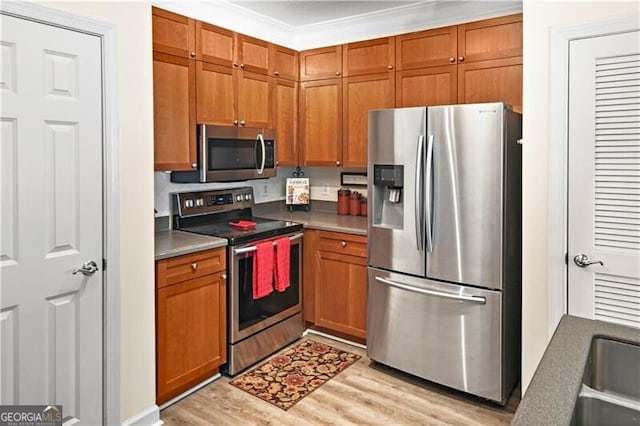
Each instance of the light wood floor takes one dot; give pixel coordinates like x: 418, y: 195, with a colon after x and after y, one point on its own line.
x: 363, y: 394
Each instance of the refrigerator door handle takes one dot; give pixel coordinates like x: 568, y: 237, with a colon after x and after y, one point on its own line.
x: 429, y: 194
x: 418, y: 200
x: 475, y: 299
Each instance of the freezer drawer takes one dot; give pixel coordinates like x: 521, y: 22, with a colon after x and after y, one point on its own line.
x: 445, y: 333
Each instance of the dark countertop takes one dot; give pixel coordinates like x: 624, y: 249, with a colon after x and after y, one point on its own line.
x: 315, y: 219
x: 170, y: 243
x: 552, y: 394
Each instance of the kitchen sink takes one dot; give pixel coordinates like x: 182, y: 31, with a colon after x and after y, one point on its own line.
x: 610, y: 392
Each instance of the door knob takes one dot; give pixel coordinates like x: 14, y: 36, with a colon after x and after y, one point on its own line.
x: 582, y: 260
x: 88, y: 268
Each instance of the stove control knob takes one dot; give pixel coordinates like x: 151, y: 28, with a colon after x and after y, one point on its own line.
x: 199, y: 202
x: 188, y: 204
x: 246, y: 197
x: 250, y: 197
x: 238, y: 198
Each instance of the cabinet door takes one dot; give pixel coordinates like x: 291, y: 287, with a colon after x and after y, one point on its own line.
x: 173, y: 34
x: 318, y: 64
x: 284, y: 63
x: 341, y: 304
x: 253, y: 54
x: 321, y: 122
x: 369, y: 57
x: 498, y: 80
x: 190, y: 333
x: 284, y: 97
x: 490, y: 39
x: 429, y: 48
x: 215, y: 94
x: 360, y: 94
x: 427, y: 86
x: 174, y: 118
x: 215, y: 45
x: 253, y: 99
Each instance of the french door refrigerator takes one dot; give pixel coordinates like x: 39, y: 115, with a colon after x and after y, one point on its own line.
x: 444, y: 223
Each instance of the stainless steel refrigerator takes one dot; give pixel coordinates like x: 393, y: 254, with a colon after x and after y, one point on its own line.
x: 444, y: 223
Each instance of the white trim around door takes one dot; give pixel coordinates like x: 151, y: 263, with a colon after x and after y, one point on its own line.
x: 111, y: 155
x: 558, y: 152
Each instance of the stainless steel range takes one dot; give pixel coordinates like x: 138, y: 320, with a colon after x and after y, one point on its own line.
x: 256, y: 327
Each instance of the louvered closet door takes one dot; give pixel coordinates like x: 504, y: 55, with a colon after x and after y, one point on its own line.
x: 604, y: 178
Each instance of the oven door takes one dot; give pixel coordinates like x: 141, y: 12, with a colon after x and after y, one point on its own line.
x: 248, y: 315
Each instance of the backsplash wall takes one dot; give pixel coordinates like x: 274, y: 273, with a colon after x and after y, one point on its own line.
x: 325, y: 182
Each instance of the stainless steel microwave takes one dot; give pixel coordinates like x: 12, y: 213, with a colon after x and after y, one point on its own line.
x: 230, y: 154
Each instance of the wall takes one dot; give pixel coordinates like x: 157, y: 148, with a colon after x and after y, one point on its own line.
x: 133, y: 26
x: 539, y: 18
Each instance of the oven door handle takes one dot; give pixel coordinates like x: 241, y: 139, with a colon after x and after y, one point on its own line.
x: 249, y: 249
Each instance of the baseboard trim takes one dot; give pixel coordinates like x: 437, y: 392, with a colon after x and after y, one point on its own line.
x: 148, y: 417
x: 332, y: 337
x: 190, y: 391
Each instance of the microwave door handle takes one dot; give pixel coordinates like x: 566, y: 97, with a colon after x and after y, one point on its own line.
x: 264, y: 153
x: 203, y: 153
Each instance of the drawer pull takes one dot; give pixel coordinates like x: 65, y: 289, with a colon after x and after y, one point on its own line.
x: 194, y: 265
x: 343, y: 244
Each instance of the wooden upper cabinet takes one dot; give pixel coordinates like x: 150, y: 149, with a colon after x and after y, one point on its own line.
x: 427, y: 86
x: 284, y: 63
x: 215, y: 45
x: 360, y: 94
x: 369, y: 57
x: 284, y: 97
x: 429, y: 48
x: 173, y: 34
x: 322, y: 63
x: 253, y: 99
x: 215, y: 94
x: 253, y: 54
x: 490, y: 39
x: 321, y: 122
x: 174, y: 123
x: 497, y: 80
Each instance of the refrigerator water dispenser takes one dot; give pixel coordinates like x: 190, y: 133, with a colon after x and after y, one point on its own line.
x: 388, y: 202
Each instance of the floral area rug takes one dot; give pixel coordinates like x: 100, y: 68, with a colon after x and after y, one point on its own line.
x: 287, y: 378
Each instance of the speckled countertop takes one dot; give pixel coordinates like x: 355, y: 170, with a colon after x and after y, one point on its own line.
x: 552, y: 394
x: 171, y: 243
x: 317, y: 218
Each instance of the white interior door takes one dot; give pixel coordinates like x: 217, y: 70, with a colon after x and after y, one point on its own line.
x: 604, y: 178
x: 51, y: 216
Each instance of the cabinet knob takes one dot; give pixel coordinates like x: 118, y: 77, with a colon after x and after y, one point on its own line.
x: 235, y: 64
x: 276, y: 73
x: 194, y: 165
x: 223, y: 276
x: 390, y: 67
x: 343, y: 244
x: 338, y: 163
x: 337, y: 72
x: 194, y: 265
x: 452, y: 59
x: 461, y: 58
x: 277, y: 162
x: 242, y: 66
x: 235, y: 122
x: 193, y: 54
x: 242, y: 123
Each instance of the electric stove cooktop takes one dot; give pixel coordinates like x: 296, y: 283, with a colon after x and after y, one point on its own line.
x: 210, y: 213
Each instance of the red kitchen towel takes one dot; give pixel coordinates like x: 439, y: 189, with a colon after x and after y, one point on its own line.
x: 283, y: 247
x: 263, y: 270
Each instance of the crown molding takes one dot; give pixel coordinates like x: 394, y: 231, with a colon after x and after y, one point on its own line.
x: 399, y: 20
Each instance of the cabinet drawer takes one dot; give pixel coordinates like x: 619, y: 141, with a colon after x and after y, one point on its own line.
x: 355, y: 245
x: 182, y: 268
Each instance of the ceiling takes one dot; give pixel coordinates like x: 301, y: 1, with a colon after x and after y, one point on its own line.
x: 307, y: 12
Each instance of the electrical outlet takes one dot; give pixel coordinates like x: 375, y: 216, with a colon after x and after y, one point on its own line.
x: 265, y: 190
x: 325, y: 189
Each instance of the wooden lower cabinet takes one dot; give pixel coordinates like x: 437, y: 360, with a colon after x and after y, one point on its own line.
x: 339, y: 283
x: 190, y: 324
